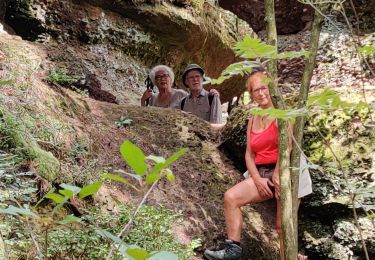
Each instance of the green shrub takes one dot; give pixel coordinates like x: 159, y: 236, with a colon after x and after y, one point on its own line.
x: 151, y: 230
x: 61, y: 77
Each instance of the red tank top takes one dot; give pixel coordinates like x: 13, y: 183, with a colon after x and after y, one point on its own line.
x: 265, y: 145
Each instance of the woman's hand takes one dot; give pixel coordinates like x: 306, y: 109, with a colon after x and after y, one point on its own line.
x: 276, y: 183
x: 262, y: 186
x: 146, y: 95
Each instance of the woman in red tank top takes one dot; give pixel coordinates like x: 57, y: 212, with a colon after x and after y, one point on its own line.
x: 262, y: 164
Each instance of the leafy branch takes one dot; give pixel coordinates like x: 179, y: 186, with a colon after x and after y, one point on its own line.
x: 257, y: 54
x: 136, y: 159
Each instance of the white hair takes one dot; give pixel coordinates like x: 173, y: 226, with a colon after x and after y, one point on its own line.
x: 158, y: 68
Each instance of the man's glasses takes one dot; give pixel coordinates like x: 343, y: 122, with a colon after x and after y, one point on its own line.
x: 160, y: 77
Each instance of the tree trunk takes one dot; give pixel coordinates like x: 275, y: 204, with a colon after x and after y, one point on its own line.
x: 272, y: 40
x: 289, y: 238
x: 300, y: 121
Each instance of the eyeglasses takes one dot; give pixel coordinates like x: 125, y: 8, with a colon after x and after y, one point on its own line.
x: 260, y: 90
x: 160, y: 77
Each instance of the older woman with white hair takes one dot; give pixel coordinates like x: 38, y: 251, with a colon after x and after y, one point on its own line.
x: 162, y: 77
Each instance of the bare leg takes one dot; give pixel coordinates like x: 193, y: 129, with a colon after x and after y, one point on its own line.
x: 239, y: 195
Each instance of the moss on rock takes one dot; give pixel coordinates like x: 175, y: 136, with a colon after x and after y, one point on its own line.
x: 16, y: 137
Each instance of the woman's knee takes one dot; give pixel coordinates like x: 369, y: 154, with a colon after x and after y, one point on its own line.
x: 230, y: 198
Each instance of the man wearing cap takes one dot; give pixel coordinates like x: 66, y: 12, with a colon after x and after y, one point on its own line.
x: 199, y: 102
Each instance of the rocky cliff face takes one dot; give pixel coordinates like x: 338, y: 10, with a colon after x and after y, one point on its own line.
x: 291, y: 15
x: 118, y: 41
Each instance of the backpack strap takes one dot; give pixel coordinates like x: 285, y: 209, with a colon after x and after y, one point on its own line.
x: 183, y: 103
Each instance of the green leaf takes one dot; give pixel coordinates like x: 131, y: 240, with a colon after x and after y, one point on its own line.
x: 287, y: 114
x: 60, y: 205
x: 175, y: 156
x: 137, y: 253
x: 113, y: 177
x: 163, y: 255
x: 40, y: 201
x: 169, y: 175
x: 157, y: 159
x: 90, y: 189
x: 251, y: 48
x: 109, y: 235
x: 6, y: 82
x: 12, y: 210
x: 72, y: 188
x: 127, y: 121
x: 57, y: 198
x: 123, y: 122
x: 69, y: 219
x: 330, y: 100
x: 367, y: 50
x: 134, y: 157
x: 239, y: 68
x: 371, y: 216
x: 66, y: 193
x: 154, y: 174
x: 135, y: 176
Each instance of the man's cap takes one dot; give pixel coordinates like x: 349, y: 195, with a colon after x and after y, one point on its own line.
x: 189, y: 68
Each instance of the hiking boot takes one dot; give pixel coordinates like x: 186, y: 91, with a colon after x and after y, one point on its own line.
x: 230, y: 251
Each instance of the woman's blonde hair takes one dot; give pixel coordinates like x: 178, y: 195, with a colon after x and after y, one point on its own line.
x: 161, y: 67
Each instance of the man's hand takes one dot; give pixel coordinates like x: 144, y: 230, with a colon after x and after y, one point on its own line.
x: 214, y: 92
x: 263, y: 188
x: 146, y: 95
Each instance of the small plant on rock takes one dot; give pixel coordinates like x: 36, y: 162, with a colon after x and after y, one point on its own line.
x: 123, y: 122
x: 61, y: 77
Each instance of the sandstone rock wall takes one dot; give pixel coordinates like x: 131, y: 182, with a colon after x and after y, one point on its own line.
x: 119, y: 41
